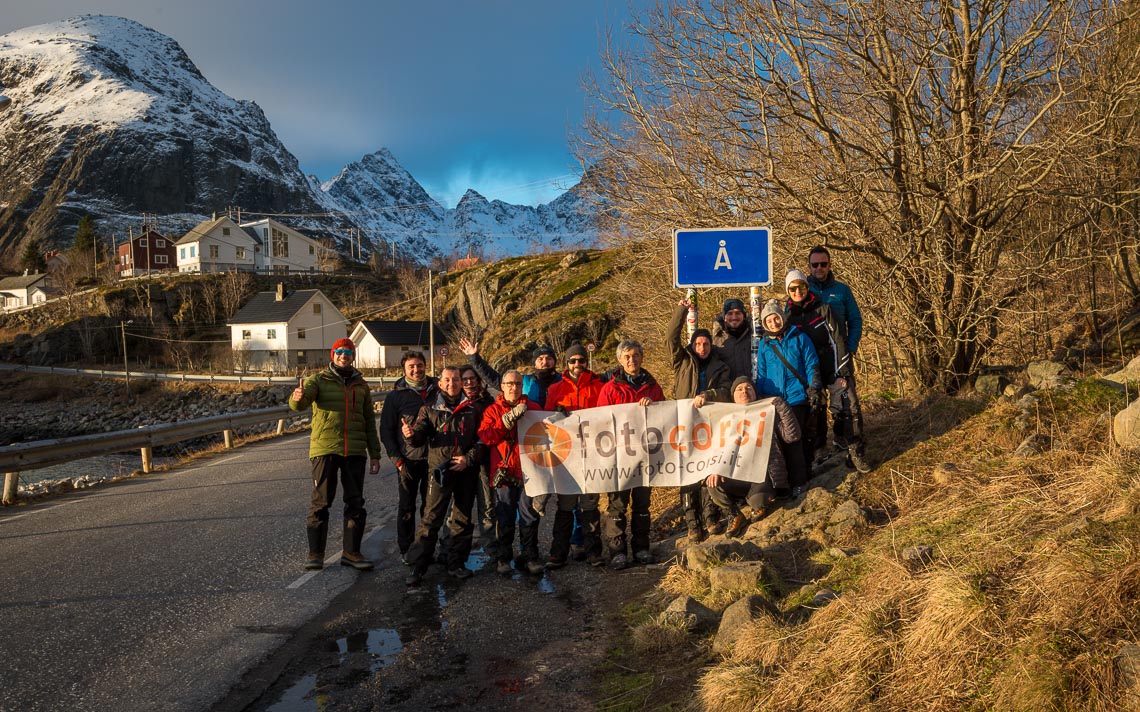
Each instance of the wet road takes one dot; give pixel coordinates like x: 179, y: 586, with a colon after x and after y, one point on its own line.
x: 160, y: 592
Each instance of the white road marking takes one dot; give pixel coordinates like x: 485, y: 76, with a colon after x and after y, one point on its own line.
x: 305, y: 578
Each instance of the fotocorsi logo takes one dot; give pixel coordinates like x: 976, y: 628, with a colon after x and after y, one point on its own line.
x: 546, y: 445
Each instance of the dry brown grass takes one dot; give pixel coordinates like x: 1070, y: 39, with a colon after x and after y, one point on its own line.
x: 1034, y: 587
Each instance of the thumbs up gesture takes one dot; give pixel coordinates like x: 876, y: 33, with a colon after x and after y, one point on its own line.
x: 299, y: 391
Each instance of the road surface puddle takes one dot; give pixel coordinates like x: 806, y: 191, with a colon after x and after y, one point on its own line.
x: 358, y: 656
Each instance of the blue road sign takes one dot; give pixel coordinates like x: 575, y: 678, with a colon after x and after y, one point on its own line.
x: 722, y: 257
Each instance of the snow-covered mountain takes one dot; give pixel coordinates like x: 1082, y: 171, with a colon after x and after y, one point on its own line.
x: 112, y: 119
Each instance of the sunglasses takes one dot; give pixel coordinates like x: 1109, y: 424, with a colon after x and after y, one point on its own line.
x: 820, y: 264
x: 470, y: 379
x: 576, y: 360
x: 797, y: 288
x: 344, y: 352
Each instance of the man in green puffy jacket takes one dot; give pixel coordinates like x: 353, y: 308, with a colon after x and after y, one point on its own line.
x: 343, y: 438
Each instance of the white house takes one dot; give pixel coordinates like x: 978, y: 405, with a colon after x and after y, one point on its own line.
x: 218, y: 245
x: 381, y: 344
x: 22, y: 290
x: 283, y: 249
x: 281, y: 331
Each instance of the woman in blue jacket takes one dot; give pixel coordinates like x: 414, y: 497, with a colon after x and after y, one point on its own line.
x: 787, y: 366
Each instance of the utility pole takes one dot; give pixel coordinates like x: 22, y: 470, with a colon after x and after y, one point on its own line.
x: 431, y: 325
x: 126, y: 365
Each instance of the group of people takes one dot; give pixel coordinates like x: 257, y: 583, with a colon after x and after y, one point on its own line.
x: 456, y: 448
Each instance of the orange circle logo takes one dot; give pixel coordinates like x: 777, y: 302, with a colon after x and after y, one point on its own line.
x: 546, y: 445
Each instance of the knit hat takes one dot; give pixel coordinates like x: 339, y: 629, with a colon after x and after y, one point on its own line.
x: 543, y: 350
x: 738, y: 381
x: 771, y: 307
x: 730, y: 304
x: 794, y: 276
x: 341, y: 344
x: 700, y: 332
x: 576, y: 349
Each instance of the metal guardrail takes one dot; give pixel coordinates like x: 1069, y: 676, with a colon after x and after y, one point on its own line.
x: 44, y: 453
x: 182, y: 377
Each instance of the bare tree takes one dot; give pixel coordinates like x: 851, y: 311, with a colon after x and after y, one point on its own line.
x: 914, y: 141
x: 211, y: 291
x: 236, y: 286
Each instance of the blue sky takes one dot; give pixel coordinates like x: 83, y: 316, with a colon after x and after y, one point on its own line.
x: 469, y: 94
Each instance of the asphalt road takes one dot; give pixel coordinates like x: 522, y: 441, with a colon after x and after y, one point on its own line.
x: 159, y: 592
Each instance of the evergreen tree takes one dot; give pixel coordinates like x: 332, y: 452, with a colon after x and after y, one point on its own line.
x: 32, y: 258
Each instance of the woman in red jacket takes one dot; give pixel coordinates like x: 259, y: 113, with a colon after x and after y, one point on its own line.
x: 629, y: 383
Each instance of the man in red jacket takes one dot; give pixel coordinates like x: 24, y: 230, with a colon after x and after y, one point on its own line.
x: 499, y: 431
x: 578, y: 389
x: 629, y: 383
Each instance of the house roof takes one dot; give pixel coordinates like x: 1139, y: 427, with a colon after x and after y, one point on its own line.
x: 264, y: 308
x: 204, y: 228
x: 22, y: 281
x: 401, y: 333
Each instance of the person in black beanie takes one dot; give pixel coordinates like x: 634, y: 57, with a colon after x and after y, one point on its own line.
x: 698, y: 372
x: 732, y: 337
x: 535, y: 385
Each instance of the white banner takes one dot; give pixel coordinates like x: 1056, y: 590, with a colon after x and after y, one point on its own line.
x: 668, y: 444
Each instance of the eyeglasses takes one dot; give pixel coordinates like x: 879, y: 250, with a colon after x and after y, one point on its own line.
x: 344, y: 352
x: 511, y: 383
x: 470, y: 379
x: 820, y: 264
x: 798, y: 288
x: 576, y: 360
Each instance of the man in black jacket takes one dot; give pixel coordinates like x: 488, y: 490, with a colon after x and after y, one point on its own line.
x: 449, y: 428
x: 732, y: 337
x: 401, y: 406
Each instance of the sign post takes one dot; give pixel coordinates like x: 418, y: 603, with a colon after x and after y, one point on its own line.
x: 724, y: 257
x: 590, y: 348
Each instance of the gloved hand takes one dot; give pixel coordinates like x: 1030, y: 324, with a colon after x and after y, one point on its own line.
x: 813, y: 398
x: 512, y: 416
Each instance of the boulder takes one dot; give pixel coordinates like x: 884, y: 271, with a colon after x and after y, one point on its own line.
x: 945, y: 473
x: 690, y: 613
x: 991, y: 384
x: 737, y: 576
x: 1126, y: 426
x: 736, y: 617
x: 576, y: 257
x: 1131, y: 372
x: 823, y: 597
x: 917, y: 557
x: 1046, y: 374
x: 1127, y: 664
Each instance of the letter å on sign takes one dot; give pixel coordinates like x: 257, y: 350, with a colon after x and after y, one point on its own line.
x: 722, y: 257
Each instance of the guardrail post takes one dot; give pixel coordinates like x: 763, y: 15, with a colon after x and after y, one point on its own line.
x: 11, y: 487
x: 147, y: 457
x: 281, y: 427
x: 229, y: 437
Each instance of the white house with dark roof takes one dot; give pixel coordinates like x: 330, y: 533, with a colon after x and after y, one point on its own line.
x: 284, y: 331
x: 283, y: 249
x: 217, y: 245
x: 381, y: 344
x: 22, y: 290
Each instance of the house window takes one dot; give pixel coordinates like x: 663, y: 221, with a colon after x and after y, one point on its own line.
x: 192, y: 249
x: 312, y: 250
x: 160, y: 243
x: 280, y: 243
x: 142, y: 242
x: 245, y: 335
x: 125, y: 259
x: 226, y: 231
x: 300, y: 333
x: 316, y: 308
x: 241, y: 253
x: 182, y: 253
x: 160, y: 259
x: 271, y: 334
x: 213, y: 252
x: 265, y: 232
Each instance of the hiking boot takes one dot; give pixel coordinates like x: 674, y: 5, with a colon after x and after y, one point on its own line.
x: 414, y: 579
x: 716, y: 528
x: 404, y: 560
x: 738, y: 527
x: 553, y: 562
x: 858, y: 461
x: 355, y: 560
x: 577, y: 552
x: 534, y: 566
x: 315, y: 561
x: 460, y: 572
x: 595, y: 558
x: 797, y: 491
x: 619, y: 562
x: 696, y: 535
x: 503, y: 568
x: 643, y: 557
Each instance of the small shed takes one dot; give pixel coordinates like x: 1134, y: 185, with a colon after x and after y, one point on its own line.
x: 381, y: 344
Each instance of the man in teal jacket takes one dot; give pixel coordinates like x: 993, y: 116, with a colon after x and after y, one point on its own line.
x: 343, y: 438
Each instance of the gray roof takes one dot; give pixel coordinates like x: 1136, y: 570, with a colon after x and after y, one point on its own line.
x: 264, y: 308
x: 401, y: 333
x: 21, y: 281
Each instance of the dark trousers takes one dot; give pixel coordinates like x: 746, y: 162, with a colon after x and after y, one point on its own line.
x: 325, y: 471
x: 484, y: 501
x: 700, y: 510
x: 460, y: 486
x: 511, y: 504
x: 613, y: 524
x: 799, y: 465
x: 572, y: 508
x: 846, y: 414
x: 730, y: 495
x: 411, y: 485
